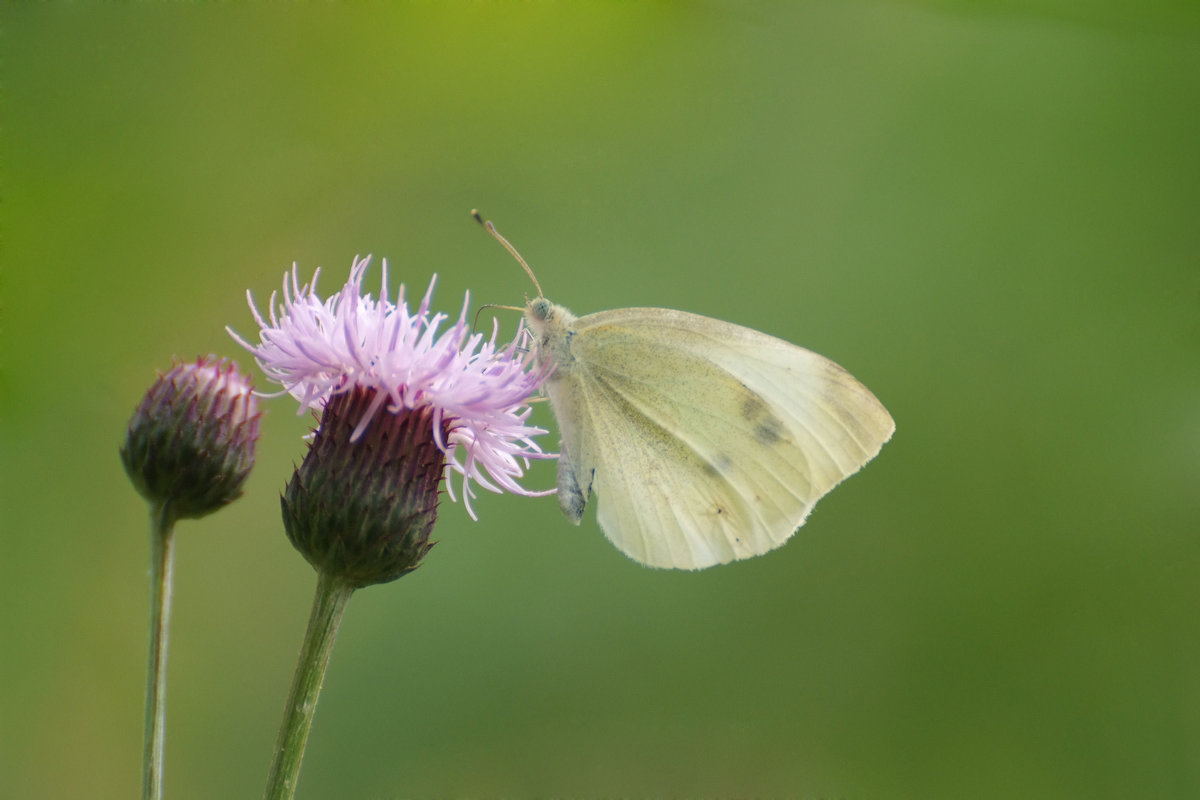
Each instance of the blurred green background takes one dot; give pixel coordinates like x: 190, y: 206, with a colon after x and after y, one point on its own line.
x: 988, y: 212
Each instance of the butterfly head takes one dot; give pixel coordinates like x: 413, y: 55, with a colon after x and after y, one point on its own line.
x: 552, y: 328
x: 544, y: 319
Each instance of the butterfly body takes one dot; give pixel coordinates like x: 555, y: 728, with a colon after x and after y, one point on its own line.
x: 703, y: 441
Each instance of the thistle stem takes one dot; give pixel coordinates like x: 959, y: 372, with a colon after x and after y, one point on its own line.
x: 162, y: 567
x: 329, y: 605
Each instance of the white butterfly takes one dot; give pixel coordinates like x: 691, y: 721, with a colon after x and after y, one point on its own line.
x: 703, y: 441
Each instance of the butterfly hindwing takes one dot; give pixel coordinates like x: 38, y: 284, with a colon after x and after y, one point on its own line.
x: 703, y: 441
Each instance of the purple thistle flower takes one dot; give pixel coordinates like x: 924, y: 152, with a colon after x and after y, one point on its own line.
x: 476, y: 391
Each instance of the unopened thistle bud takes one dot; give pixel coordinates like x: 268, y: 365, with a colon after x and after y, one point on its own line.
x: 190, y: 443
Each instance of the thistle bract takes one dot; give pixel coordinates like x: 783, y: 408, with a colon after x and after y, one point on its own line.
x: 365, y: 511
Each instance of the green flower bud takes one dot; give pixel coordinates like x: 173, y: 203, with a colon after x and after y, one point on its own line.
x: 362, y: 509
x: 190, y: 444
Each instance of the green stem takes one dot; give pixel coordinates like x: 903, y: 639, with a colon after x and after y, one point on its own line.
x: 329, y: 605
x: 162, y: 566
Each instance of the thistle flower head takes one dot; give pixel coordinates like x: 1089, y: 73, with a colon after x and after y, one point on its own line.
x: 403, y: 402
x: 190, y: 443
x: 476, y: 390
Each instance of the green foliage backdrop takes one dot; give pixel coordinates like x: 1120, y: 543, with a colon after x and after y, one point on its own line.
x: 986, y: 211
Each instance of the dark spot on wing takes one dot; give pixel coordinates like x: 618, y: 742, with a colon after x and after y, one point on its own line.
x: 767, y: 427
x: 768, y: 432
x: 753, y: 407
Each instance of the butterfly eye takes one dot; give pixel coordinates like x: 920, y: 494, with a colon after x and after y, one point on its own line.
x: 541, y: 309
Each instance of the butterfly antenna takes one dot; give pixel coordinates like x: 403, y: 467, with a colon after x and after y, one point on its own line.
x: 490, y: 228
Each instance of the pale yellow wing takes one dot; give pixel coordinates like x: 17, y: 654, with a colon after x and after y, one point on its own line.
x: 703, y: 441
